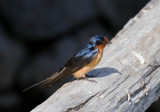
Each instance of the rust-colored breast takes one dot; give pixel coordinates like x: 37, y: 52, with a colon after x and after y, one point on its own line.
x: 100, y: 48
x: 81, y: 73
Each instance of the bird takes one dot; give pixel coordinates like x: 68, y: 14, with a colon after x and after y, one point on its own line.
x: 80, y: 64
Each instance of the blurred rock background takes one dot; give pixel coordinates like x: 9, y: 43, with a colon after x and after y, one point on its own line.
x: 39, y: 36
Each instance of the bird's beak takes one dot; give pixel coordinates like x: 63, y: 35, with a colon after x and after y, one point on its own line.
x: 106, y: 40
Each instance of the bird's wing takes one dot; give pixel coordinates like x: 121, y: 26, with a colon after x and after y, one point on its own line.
x: 82, y: 58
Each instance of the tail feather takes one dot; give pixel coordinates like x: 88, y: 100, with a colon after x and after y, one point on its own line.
x: 37, y: 84
x: 51, y: 80
x: 62, y: 73
x: 45, y: 82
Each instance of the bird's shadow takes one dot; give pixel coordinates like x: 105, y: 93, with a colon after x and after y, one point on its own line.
x: 102, y: 72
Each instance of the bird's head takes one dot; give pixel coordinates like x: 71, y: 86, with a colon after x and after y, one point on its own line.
x: 99, y: 41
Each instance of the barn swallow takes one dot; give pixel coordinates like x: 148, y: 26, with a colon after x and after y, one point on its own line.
x: 80, y: 64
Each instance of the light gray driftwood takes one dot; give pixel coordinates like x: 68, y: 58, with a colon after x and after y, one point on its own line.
x: 128, y: 76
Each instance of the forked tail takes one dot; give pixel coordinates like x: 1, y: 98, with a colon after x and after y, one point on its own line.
x: 45, y: 83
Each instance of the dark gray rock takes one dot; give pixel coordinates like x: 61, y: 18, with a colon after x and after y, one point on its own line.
x: 11, y: 56
x: 89, y: 31
x: 117, y: 12
x: 35, y: 19
x: 10, y: 100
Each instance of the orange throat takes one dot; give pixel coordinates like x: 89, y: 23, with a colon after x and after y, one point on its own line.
x: 100, y: 48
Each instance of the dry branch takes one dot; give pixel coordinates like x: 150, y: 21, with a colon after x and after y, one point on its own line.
x: 128, y: 76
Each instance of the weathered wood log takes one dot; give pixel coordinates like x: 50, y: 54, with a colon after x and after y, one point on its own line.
x: 128, y: 76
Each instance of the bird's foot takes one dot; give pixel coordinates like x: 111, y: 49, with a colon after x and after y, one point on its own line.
x: 84, y: 78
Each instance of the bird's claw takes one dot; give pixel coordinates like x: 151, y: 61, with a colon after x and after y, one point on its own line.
x: 84, y: 78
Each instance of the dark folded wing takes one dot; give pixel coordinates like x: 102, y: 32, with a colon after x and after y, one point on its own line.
x: 84, y: 57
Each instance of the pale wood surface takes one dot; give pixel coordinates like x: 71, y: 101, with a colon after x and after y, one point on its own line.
x: 128, y: 76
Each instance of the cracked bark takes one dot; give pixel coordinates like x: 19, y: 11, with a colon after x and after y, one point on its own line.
x: 130, y: 68
x: 80, y: 105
